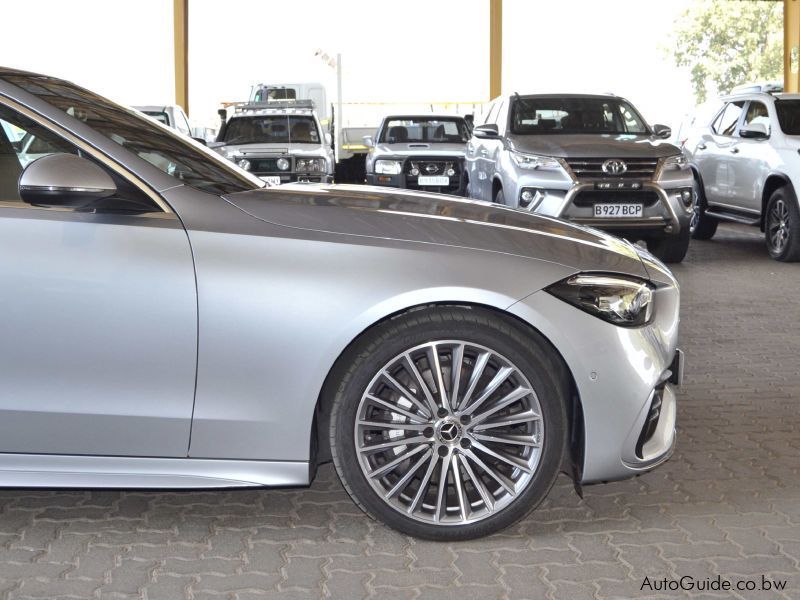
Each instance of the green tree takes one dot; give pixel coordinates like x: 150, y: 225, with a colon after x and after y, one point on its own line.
x: 729, y: 42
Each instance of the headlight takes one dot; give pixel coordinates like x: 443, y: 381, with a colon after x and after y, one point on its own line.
x: 532, y: 161
x: 244, y: 163
x: 310, y: 165
x: 676, y: 163
x: 282, y: 164
x: 388, y: 167
x: 624, y: 301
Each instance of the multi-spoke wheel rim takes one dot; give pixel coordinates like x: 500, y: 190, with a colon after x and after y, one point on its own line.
x: 695, y: 218
x: 449, y: 432
x: 778, y: 226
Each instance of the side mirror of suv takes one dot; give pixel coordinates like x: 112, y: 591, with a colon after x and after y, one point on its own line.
x: 662, y: 131
x: 754, y: 131
x: 487, y: 131
x: 368, y: 141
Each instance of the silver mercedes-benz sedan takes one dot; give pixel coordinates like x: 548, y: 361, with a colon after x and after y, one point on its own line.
x: 168, y: 322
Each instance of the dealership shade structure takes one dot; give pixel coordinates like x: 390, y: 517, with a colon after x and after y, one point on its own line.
x: 791, y: 29
x: 181, y: 25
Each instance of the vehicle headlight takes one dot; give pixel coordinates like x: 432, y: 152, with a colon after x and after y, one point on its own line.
x: 244, y: 164
x: 310, y: 165
x: 388, y: 167
x: 282, y: 164
x: 532, y: 161
x: 676, y: 163
x: 623, y: 301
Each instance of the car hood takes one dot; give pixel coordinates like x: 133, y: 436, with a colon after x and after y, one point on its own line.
x: 593, y: 146
x: 439, y: 219
x: 419, y: 149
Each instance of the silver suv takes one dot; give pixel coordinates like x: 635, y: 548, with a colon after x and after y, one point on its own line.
x: 419, y: 152
x: 587, y: 158
x: 747, y: 169
x: 280, y: 142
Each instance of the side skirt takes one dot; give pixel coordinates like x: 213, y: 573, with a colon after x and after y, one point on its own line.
x: 56, y: 471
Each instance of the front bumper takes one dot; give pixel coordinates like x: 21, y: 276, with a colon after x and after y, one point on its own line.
x: 626, y: 381
x: 565, y: 197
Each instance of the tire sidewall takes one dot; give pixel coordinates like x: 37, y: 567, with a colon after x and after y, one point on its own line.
x: 532, y: 361
x: 790, y: 199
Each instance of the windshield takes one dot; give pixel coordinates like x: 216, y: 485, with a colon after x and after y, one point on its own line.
x: 161, y: 117
x: 169, y: 152
x: 575, y: 115
x: 788, y: 116
x: 272, y: 129
x: 422, y: 129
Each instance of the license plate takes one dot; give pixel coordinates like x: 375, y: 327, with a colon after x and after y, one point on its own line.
x: 427, y: 180
x: 618, y: 210
x: 272, y: 180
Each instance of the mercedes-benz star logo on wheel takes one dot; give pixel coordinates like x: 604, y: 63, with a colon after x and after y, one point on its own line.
x: 614, y: 167
x: 449, y: 432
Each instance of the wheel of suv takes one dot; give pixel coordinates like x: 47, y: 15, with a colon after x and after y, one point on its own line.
x: 701, y: 226
x: 670, y: 249
x: 782, y: 225
x: 450, y: 423
x: 500, y: 197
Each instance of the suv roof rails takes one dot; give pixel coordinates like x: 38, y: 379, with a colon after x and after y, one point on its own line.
x: 245, y: 106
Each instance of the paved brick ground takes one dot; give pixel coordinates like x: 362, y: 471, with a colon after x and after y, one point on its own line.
x: 727, y: 503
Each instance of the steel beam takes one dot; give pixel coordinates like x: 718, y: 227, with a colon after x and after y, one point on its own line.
x: 181, y: 44
x: 496, y: 48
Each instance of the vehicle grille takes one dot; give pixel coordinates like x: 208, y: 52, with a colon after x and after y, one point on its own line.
x: 261, y: 166
x: 433, y: 167
x: 592, y: 168
x: 592, y: 197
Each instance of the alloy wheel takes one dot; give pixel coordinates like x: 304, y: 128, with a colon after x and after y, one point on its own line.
x: 449, y: 432
x: 778, y: 226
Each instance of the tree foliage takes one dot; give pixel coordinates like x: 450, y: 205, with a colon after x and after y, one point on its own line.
x: 729, y: 42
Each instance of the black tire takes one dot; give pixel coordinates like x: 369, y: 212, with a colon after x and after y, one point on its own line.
x: 782, y: 225
x: 530, y: 353
x: 670, y: 249
x: 701, y: 226
x: 500, y: 197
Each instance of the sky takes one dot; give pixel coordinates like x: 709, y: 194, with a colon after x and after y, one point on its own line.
x: 400, y: 52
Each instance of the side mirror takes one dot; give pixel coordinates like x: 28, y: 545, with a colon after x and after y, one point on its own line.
x: 64, y: 180
x: 662, y: 131
x: 328, y: 138
x: 754, y: 131
x: 488, y: 131
x: 369, y: 142
x: 200, y: 140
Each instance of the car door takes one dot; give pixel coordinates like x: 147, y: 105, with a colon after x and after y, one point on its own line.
x: 714, y: 151
x: 750, y: 160
x: 493, y: 148
x: 98, y: 329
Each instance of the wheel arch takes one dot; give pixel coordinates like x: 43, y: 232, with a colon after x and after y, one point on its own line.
x: 497, y: 185
x: 320, y: 440
x: 773, y: 182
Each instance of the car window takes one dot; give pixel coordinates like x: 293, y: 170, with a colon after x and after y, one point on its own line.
x: 159, y: 116
x: 181, y: 123
x: 16, y: 154
x: 171, y: 153
x: 434, y: 130
x: 491, y: 114
x: 788, y: 111
x: 272, y: 129
x: 756, y: 113
x: 725, y: 124
x: 575, y: 115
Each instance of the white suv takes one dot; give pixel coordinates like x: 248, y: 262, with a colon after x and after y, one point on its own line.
x: 746, y: 167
